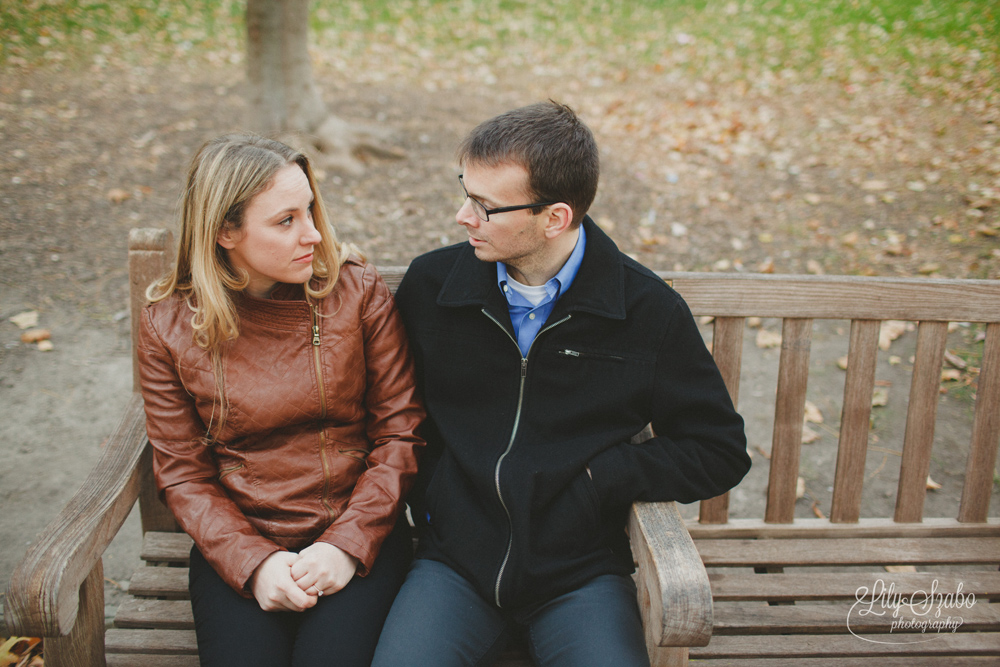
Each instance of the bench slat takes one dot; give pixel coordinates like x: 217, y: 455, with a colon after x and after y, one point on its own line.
x: 808, y: 646
x: 729, y: 587
x: 849, y: 551
x: 140, y: 660
x: 160, y: 582
x: 985, y: 433
x: 849, y: 478
x: 823, y: 528
x: 163, y: 642
x: 883, y: 661
x: 832, y: 619
x: 789, y: 409
x: 727, y: 349
x: 837, y: 297
x: 155, y: 614
x: 166, y: 547
x: 921, y: 414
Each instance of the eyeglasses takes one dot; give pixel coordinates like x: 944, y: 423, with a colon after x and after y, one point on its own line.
x: 484, y: 213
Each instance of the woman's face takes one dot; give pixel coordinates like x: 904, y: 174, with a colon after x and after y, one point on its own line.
x: 275, y: 243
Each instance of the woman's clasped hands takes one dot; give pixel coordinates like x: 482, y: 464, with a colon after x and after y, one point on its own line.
x: 287, y: 581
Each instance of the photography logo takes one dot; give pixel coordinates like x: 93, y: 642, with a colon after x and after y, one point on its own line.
x: 921, y: 616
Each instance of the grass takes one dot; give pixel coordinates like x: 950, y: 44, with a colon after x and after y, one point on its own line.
x: 936, y: 44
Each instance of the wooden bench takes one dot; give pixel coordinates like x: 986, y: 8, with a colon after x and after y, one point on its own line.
x: 777, y: 589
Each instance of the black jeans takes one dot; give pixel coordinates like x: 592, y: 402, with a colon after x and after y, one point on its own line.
x: 342, y: 629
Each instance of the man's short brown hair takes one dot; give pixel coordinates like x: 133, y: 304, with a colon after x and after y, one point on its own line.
x: 548, y: 139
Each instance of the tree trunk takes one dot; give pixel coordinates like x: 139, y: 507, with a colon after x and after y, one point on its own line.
x: 284, y: 100
x: 283, y: 97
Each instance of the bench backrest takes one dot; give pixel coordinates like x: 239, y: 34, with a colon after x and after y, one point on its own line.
x: 797, y: 301
x: 866, y: 302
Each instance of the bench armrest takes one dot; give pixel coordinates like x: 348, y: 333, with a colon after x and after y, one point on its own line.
x: 43, y: 596
x: 675, y: 598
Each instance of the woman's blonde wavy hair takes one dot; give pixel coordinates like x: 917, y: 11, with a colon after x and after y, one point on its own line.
x: 224, y: 177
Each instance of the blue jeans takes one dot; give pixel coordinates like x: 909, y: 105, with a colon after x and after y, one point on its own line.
x: 439, y: 619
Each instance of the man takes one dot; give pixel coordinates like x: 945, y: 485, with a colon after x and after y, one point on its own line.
x: 540, y: 351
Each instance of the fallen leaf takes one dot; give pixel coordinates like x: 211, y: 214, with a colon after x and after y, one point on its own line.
x: 880, y: 398
x: 813, y: 414
x: 895, y: 360
x: 768, y: 339
x: 916, y: 186
x: 812, y: 198
x: 46, y: 345
x: 842, y: 363
x: 850, y: 239
x: 900, y: 568
x: 890, y: 331
x: 800, y: 488
x: 26, y: 320
x: 873, y: 186
x: 755, y: 322
x: 117, y: 195
x: 706, y: 319
x: 817, y: 511
x: 929, y: 268
x: 18, y: 651
x: 35, y: 335
x: 932, y: 485
x: 951, y: 375
x: 606, y: 223
x: 814, y: 267
x: 809, y: 436
x: 767, y: 266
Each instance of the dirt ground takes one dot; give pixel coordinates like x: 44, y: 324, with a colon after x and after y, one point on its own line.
x: 789, y: 178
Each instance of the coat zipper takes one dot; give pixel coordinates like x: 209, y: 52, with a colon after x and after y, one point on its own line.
x: 510, y: 443
x: 322, y: 413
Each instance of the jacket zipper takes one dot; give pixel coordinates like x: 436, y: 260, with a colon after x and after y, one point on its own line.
x: 589, y: 355
x: 322, y: 412
x: 510, y: 444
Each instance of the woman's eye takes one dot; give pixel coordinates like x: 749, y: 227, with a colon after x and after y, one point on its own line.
x: 286, y: 222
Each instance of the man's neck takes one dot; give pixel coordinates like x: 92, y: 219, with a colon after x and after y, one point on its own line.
x: 546, y: 266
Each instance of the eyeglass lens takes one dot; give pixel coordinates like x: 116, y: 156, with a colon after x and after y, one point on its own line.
x: 478, y: 208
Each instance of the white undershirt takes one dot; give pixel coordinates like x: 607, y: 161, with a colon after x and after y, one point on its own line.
x: 535, y: 294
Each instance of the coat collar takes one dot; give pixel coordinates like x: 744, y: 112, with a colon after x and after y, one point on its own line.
x: 599, y: 287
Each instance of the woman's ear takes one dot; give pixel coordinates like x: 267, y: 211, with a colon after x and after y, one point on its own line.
x: 227, y: 237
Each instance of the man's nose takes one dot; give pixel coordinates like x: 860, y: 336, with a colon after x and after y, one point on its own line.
x: 465, y: 215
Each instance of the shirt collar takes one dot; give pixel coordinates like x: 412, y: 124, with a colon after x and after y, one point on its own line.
x: 563, y: 279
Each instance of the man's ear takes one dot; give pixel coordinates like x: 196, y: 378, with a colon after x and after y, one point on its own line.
x: 227, y: 237
x: 558, y: 220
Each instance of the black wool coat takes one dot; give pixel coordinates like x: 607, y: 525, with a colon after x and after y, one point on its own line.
x: 503, y: 495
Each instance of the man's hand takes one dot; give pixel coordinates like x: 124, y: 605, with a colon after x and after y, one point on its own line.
x: 275, y: 589
x: 323, y: 569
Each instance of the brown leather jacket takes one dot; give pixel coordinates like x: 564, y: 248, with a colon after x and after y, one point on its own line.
x: 319, y: 440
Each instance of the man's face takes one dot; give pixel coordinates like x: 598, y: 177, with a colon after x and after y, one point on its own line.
x: 515, y: 238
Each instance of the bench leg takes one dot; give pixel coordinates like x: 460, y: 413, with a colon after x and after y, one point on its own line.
x: 84, y: 645
x: 668, y: 656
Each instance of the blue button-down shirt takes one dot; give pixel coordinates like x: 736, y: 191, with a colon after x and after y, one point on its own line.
x: 527, y: 318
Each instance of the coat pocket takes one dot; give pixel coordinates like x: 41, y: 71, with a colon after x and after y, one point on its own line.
x: 570, y: 523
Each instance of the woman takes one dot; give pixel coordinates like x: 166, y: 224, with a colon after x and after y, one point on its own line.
x: 280, y: 405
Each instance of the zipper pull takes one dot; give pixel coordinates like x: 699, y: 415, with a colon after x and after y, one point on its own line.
x: 524, y: 367
x: 315, y: 334
x: 569, y: 353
